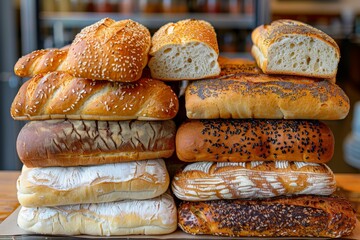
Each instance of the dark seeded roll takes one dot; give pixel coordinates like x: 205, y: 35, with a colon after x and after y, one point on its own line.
x: 302, y: 216
x: 254, y: 140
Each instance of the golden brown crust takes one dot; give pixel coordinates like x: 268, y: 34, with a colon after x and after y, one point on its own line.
x: 189, y: 30
x: 264, y: 35
x: 106, y: 50
x: 245, y: 95
x: 75, y: 142
x: 58, y: 95
x: 254, y: 140
x: 300, y: 216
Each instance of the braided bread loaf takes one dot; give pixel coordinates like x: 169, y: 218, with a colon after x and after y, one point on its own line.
x: 106, y: 50
x: 58, y: 95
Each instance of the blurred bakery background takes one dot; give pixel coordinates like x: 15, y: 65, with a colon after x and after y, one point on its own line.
x: 27, y: 25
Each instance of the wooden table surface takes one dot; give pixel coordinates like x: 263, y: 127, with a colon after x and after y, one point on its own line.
x: 8, y: 200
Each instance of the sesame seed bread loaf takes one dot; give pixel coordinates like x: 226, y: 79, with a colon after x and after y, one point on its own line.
x: 185, y: 50
x: 55, y: 186
x: 128, y: 217
x: 79, y: 142
x: 106, y: 50
x: 295, y: 48
x: 252, y: 95
x: 58, y: 95
x: 232, y: 180
x: 296, y: 216
x: 240, y: 140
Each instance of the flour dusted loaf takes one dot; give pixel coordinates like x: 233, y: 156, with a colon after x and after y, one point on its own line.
x: 106, y: 50
x: 296, y: 216
x: 128, y: 217
x: 229, y: 180
x: 252, y: 95
x: 59, y: 95
x: 239, y: 140
x: 54, y: 186
x: 79, y: 142
x: 185, y: 50
x: 295, y: 48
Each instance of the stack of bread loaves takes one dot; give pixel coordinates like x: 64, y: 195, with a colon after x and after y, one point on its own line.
x: 98, y: 132
x: 258, y: 149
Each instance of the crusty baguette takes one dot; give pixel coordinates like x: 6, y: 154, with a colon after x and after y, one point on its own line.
x: 55, y: 186
x: 58, y: 95
x: 295, y: 48
x: 297, y: 216
x: 149, y: 217
x: 240, y: 140
x: 79, y: 142
x: 249, y: 95
x: 106, y: 50
x: 185, y: 50
x: 228, y: 180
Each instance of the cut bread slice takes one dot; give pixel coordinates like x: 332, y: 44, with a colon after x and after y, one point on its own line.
x: 186, y: 50
x: 294, y: 48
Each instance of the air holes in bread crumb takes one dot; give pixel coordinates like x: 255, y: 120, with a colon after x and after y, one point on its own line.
x: 167, y: 50
x: 212, y: 64
x: 189, y: 60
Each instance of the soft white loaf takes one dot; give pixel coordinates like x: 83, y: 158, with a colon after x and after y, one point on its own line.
x: 232, y: 180
x: 185, y: 50
x: 294, y: 48
x: 53, y: 186
x: 149, y: 217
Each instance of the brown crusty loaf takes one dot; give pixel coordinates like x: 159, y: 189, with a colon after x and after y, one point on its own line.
x: 295, y: 48
x: 228, y: 180
x: 241, y: 140
x: 185, y: 50
x: 58, y: 95
x: 297, y: 216
x: 249, y: 95
x: 106, y: 50
x: 55, y: 186
x: 78, y: 142
x: 128, y: 217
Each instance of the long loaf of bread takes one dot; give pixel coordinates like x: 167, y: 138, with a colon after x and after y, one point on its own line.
x: 58, y: 95
x: 55, y: 186
x: 228, y: 180
x: 241, y: 140
x: 106, y: 50
x: 128, y: 217
x: 299, y: 216
x: 253, y: 95
x: 79, y: 142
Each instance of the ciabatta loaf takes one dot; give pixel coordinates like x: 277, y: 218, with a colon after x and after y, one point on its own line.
x: 149, y: 217
x: 251, y: 95
x: 59, y: 95
x: 228, y: 180
x: 84, y: 142
x: 300, y: 216
x: 240, y: 140
x: 106, y: 50
x: 55, y: 186
x: 185, y: 50
x: 295, y: 48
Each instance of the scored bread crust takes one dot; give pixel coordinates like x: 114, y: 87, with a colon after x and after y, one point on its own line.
x: 106, y: 50
x: 239, y: 140
x: 232, y: 180
x: 128, y: 217
x: 79, y: 142
x: 56, y: 186
x: 265, y: 36
x: 58, y: 95
x: 183, y: 35
x: 295, y: 216
x: 245, y: 95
